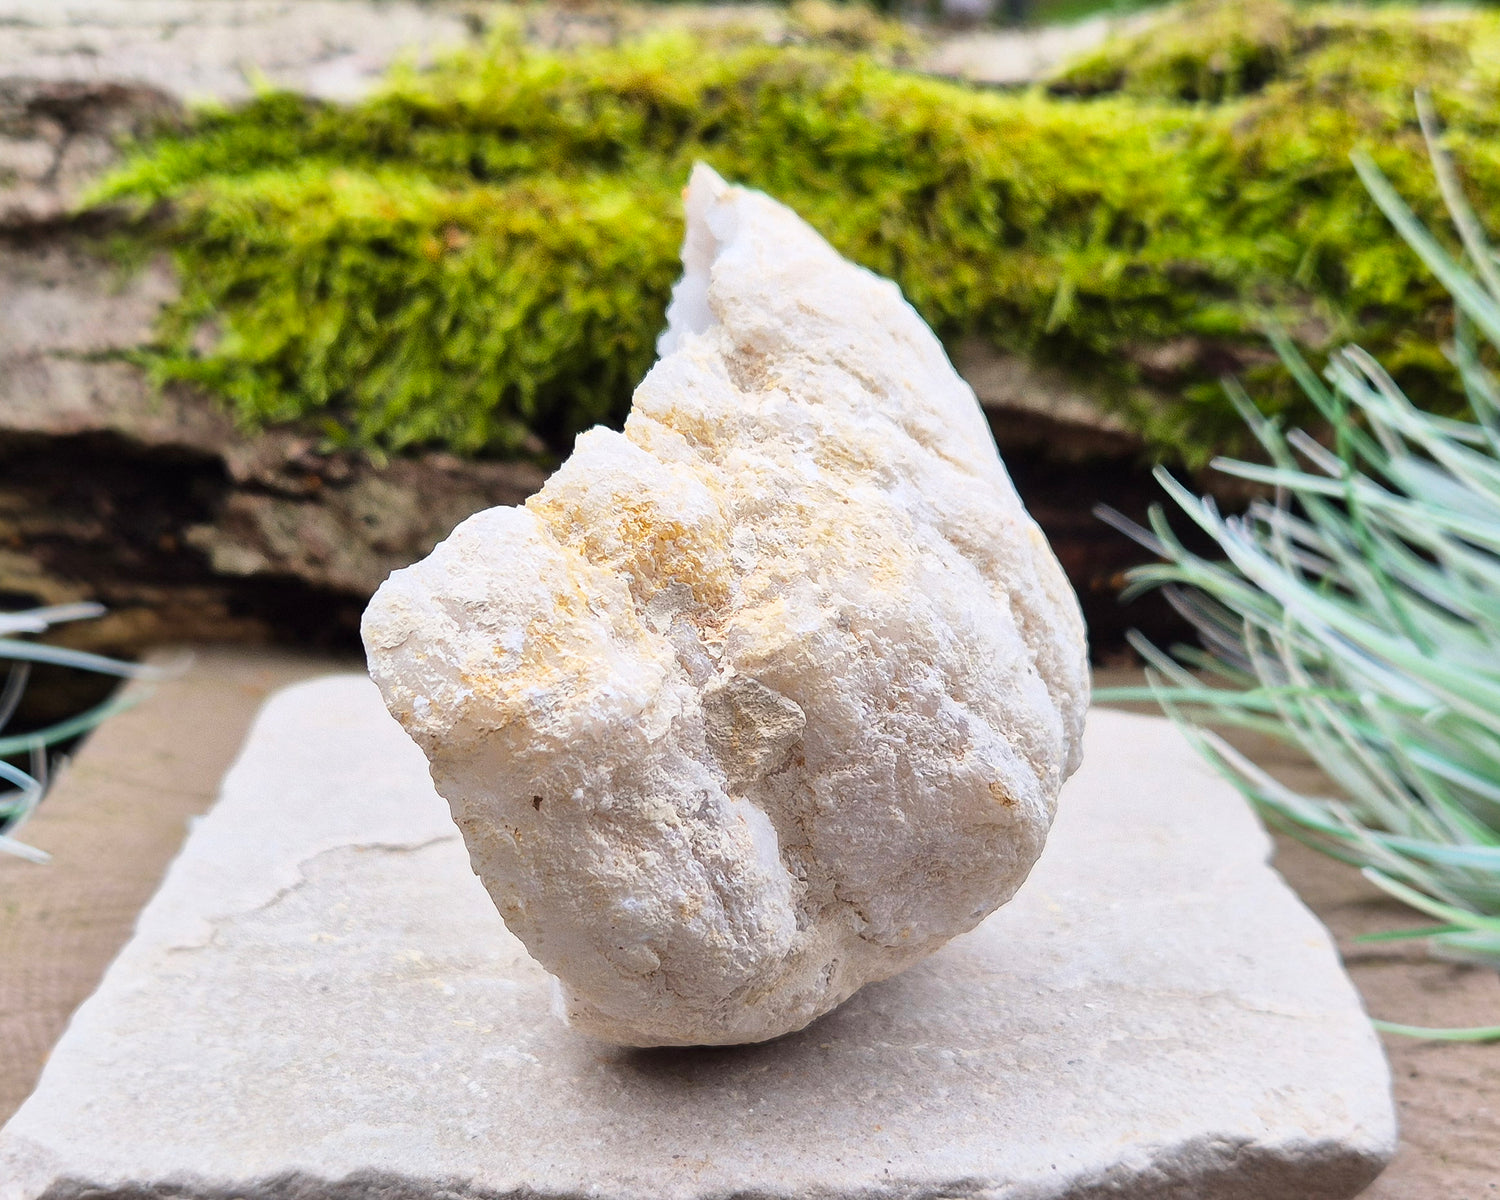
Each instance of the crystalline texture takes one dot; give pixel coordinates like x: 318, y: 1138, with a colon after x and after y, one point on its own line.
x: 768, y: 696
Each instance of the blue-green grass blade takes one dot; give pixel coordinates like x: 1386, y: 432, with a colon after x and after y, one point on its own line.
x: 39, y: 620
x: 18, y: 849
x: 71, y: 727
x: 1405, y: 935
x: 1480, y: 308
x: 1470, y: 232
x: 1452, y: 914
x: 1481, y: 1033
x: 14, y: 775
x: 60, y: 656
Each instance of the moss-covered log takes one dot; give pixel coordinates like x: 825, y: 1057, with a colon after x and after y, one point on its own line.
x: 480, y: 256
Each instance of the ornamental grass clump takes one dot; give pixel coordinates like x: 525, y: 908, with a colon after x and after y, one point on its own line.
x: 1356, y: 611
x: 28, y: 785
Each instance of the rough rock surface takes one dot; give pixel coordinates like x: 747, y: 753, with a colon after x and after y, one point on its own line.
x: 185, y: 526
x: 156, y: 505
x: 75, y: 75
x: 1016, y: 57
x: 768, y: 696
x: 321, y: 1002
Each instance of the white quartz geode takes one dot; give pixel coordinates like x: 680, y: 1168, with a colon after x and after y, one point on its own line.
x: 772, y: 694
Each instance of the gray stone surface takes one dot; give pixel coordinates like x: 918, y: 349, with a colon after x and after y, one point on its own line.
x: 198, y: 49
x: 321, y: 1001
x: 76, y: 75
x: 1016, y: 57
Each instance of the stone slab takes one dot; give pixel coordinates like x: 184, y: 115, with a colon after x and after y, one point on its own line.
x: 321, y: 1001
x: 114, y: 817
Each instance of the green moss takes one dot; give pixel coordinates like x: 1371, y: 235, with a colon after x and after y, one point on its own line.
x: 1219, y: 50
x: 412, y: 314
x: 482, y: 254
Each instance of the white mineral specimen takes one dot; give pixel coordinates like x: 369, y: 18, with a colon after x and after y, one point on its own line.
x: 772, y: 694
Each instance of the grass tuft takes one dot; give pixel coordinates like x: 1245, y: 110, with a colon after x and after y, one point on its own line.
x: 28, y: 785
x: 1356, y: 610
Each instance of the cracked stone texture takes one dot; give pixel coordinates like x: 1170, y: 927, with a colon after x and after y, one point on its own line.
x: 322, y: 1000
x: 115, y: 816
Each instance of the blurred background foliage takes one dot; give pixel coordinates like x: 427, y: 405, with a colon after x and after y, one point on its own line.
x: 479, y: 256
